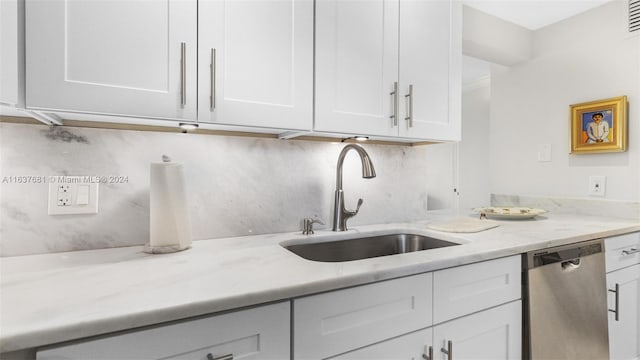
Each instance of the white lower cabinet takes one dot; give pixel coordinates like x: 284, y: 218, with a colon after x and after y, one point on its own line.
x: 477, y: 307
x: 466, y: 312
x: 624, y: 330
x: 413, y: 346
x: 257, y: 333
x: 623, y: 282
x: 493, y: 334
x: 337, y: 322
x: 467, y: 289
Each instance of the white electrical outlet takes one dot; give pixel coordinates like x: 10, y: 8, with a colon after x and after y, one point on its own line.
x: 597, y: 185
x: 73, y: 195
x: 63, y: 196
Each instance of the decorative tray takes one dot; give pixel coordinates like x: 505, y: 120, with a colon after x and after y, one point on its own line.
x: 507, y: 212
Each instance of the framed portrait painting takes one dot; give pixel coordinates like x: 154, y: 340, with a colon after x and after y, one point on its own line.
x: 599, y: 126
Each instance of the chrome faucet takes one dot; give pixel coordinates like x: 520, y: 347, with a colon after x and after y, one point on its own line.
x: 340, y: 214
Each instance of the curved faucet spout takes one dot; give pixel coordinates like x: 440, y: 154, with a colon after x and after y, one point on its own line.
x: 368, y: 171
x: 340, y: 213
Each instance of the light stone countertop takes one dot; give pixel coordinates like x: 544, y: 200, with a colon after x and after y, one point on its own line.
x: 51, y: 298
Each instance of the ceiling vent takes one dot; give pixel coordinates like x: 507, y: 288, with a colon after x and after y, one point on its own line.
x: 634, y: 15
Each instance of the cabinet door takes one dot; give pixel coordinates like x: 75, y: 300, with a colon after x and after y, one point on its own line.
x: 622, y: 251
x: 339, y: 321
x: 407, y: 347
x: 430, y: 63
x: 492, y: 334
x: 624, y: 333
x: 9, y: 52
x: 466, y: 289
x: 356, y: 66
x: 258, y: 333
x: 256, y: 63
x: 112, y: 57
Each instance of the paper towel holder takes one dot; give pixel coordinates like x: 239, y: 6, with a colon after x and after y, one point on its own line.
x: 169, y: 223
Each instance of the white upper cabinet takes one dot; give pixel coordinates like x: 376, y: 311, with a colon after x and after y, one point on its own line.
x: 430, y: 65
x: 356, y: 66
x: 126, y: 57
x: 367, y: 49
x: 256, y: 63
x: 386, y: 68
x: 9, y: 52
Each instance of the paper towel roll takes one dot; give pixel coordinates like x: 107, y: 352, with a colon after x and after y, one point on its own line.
x: 170, y: 227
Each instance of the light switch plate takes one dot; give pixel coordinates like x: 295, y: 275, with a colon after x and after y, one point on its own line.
x: 70, y: 195
x: 544, y: 152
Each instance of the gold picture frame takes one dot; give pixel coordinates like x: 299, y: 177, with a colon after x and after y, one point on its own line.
x: 599, y: 126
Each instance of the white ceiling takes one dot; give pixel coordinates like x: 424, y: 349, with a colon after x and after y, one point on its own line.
x: 534, y: 14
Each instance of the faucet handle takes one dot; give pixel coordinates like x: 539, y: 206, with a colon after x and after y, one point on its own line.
x: 350, y: 213
x: 307, y: 225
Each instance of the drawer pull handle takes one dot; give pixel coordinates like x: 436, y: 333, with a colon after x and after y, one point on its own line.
x: 630, y: 251
x: 183, y: 74
x: 395, y: 103
x: 212, y: 90
x: 449, y: 350
x: 429, y: 354
x: 617, y: 302
x: 221, y: 357
x: 409, y: 97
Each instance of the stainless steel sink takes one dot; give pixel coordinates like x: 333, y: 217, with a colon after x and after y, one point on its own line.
x: 366, y: 247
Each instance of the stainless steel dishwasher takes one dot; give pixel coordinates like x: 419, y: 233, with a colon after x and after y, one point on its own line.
x: 566, y: 303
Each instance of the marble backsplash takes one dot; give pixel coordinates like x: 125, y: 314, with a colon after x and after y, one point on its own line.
x: 588, y: 207
x: 236, y: 185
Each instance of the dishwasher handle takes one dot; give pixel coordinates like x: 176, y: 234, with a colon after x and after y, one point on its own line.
x: 570, y: 265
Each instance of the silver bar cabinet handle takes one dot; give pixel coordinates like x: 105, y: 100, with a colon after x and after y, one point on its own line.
x: 617, y: 309
x: 212, y: 98
x: 221, y: 357
x: 410, y: 103
x: 429, y: 354
x: 183, y: 73
x: 395, y: 104
x: 449, y: 350
x: 630, y: 251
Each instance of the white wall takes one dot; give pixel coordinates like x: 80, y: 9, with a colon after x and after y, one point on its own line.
x: 588, y: 57
x: 487, y: 37
x: 441, y: 167
x: 475, y: 165
x: 464, y: 166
